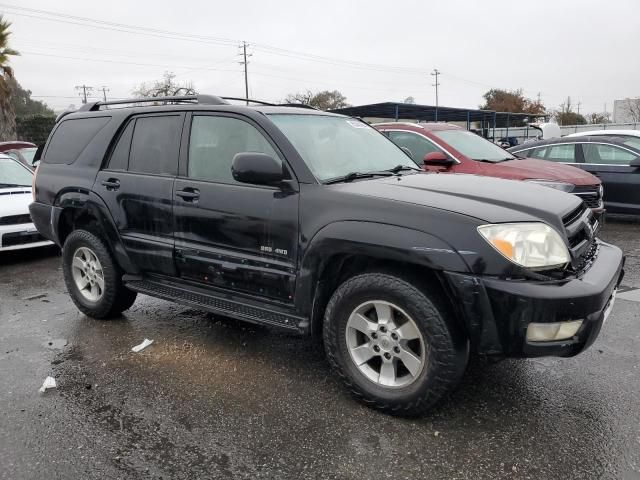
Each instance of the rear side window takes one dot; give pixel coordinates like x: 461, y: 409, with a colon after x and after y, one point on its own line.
x: 606, y: 154
x: 72, y: 137
x: 120, y: 156
x: 155, y: 145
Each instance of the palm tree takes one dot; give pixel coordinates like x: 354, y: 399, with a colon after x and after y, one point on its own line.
x: 7, y: 114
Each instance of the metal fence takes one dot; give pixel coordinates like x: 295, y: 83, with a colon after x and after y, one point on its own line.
x: 530, y: 133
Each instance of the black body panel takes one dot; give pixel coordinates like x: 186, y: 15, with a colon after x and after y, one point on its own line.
x: 261, y: 253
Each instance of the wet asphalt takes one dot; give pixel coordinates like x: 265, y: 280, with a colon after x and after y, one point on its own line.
x: 216, y: 398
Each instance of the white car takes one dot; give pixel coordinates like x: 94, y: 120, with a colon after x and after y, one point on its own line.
x: 630, y: 137
x: 16, y: 228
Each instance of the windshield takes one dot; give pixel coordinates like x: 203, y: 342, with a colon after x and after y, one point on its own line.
x: 473, y: 146
x: 28, y: 154
x: 12, y: 173
x: 333, y: 147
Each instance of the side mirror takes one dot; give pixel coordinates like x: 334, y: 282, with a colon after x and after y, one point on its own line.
x: 256, y: 168
x: 635, y: 162
x: 438, y: 159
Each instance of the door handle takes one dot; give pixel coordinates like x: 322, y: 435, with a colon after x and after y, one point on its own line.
x: 111, y: 184
x: 189, y: 194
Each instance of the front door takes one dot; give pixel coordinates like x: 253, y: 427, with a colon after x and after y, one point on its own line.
x: 621, y: 182
x: 137, y: 187
x: 229, y: 234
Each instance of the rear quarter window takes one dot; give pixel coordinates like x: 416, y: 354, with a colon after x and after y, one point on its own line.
x: 71, y: 138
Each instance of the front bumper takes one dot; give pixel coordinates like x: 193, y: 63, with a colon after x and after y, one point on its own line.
x: 19, y: 236
x: 497, y: 312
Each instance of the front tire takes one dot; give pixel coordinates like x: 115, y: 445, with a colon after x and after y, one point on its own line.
x: 93, y: 278
x: 391, y: 343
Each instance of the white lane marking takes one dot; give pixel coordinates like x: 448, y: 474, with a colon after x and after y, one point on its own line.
x: 632, y: 294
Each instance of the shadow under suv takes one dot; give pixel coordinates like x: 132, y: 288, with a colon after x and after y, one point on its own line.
x: 316, y: 223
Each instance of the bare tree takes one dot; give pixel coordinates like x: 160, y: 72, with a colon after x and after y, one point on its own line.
x: 303, y: 98
x: 603, y: 117
x: 325, y: 100
x: 165, y: 87
x: 632, y: 107
x: 409, y: 100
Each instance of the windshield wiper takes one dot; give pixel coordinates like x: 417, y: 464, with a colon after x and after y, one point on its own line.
x: 401, y: 168
x: 351, y: 176
x: 8, y: 185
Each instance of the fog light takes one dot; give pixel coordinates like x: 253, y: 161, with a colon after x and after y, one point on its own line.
x: 549, y: 332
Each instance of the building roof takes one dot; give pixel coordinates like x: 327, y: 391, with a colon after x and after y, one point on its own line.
x: 428, y: 113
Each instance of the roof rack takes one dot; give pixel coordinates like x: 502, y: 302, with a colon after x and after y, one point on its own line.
x: 259, y: 102
x: 199, y: 99
x: 297, y: 105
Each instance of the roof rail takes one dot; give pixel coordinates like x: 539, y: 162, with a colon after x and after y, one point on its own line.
x: 199, y: 99
x: 259, y: 102
x: 297, y: 105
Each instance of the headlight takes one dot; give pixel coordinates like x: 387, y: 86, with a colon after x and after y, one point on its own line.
x: 565, y: 187
x: 531, y: 245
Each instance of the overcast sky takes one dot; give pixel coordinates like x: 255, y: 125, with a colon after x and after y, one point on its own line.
x: 372, y: 51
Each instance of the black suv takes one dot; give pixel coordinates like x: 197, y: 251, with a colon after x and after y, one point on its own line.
x: 318, y: 224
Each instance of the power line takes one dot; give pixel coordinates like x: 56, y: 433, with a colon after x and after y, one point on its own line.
x: 435, y: 73
x: 104, y: 90
x: 245, y: 63
x: 85, y: 89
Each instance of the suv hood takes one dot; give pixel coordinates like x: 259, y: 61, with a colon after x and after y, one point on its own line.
x: 531, y: 168
x: 15, y: 201
x: 491, y: 200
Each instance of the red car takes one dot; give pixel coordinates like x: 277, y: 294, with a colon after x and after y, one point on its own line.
x: 4, y: 146
x: 446, y: 148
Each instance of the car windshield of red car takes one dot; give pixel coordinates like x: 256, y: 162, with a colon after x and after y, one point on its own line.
x: 473, y: 146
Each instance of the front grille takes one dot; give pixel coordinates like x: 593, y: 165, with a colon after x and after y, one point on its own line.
x: 15, y: 219
x: 573, y: 215
x: 21, y: 238
x: 591, y: 195
x: 581, y: 227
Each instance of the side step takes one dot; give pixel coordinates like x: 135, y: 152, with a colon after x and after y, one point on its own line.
x: 218, y: 302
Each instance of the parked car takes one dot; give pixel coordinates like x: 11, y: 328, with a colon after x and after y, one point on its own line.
x: 315, y: 223
x: 629, y: 137
x: 612, y: 159
x: 24, y: 155
x: 12, y: 145
x: 16, y: 228
x: 446, y: 148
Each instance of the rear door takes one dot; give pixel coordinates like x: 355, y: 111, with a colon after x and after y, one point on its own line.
x: 230, y: 234
x: 137, y: 187
x: 621, y: 182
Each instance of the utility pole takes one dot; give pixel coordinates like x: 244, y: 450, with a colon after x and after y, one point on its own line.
x: 85, y: 90
x: 579, y: 103
x: 435, y: 73
x: 246, y: 77
x: 104, y: 90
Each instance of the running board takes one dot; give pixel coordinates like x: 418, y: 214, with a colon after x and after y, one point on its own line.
x: 217, y: 302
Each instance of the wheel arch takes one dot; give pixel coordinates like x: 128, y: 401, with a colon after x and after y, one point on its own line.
x: 87, y: 211
x: 344, y: 249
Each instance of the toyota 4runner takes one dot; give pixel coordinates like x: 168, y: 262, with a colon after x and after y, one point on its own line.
x: 316, y: 223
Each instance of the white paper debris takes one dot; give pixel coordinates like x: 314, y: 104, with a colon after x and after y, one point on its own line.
x: 49, y: 382
x: 142, y: 346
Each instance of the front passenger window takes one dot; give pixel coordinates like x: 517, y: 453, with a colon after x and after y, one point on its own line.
x: 216, y: 140
x: 416, y: 143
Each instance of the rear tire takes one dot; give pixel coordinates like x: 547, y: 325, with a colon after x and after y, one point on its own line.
x: 93, y: 278
x: 391, y: 343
